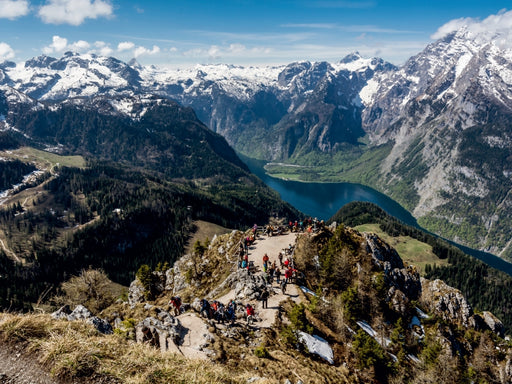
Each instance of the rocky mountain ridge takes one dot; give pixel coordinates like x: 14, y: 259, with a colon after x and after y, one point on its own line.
x: 434, y: 134
x: 233, y: 101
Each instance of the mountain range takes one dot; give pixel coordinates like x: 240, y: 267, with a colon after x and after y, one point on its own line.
x: 434, y: 133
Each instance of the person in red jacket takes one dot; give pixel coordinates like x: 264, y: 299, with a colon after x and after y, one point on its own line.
x: 250, y: 313
x: 288, y: 274
x: 175, y: 303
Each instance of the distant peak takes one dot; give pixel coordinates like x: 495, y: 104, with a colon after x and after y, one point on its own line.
x: 134, y: 63
x: 351, y: 57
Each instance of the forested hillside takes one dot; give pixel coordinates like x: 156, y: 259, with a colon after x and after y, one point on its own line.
x: 146, y: 180
x: 486, y: 288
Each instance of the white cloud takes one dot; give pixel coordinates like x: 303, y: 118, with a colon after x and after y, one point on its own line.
x: 6, y: 52
x: 215, y: 52
x: 102, y: 48
x: 173, y: 49
x: 74, y: 12
x: 236, y: 48
x: 58, y: 45
x: 79, y: 46
x: 143, y: 51
x: 496, y: 28
x: 11, y: 9
x: 105, y: 51
x: 125, y: 46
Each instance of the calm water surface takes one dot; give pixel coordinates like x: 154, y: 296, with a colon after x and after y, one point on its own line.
x: 323, y: 200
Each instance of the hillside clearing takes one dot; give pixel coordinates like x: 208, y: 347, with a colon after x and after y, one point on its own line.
x: 411, y: 251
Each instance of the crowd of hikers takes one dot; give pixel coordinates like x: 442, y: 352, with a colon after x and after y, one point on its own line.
x: 281, y: 270
x: 306, y: 225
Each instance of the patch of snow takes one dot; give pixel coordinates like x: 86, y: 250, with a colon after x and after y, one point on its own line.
x: 307, y: 290
x: 369, y: 90
x: 383, y: 341
x: 318, y: 346
x: 414, y: 359
x: 422, y: 314
x: 462, y: 63
x: 497, y: 142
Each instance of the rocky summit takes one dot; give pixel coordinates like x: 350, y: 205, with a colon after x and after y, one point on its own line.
x: 352, y: 312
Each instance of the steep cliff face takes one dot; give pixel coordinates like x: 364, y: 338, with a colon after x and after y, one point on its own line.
x: 447, y: 112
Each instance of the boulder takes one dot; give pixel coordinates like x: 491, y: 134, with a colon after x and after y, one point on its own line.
x: 164, y: 333
x: 62, y: 313
x: 196, y: 305
x: 136, y: 293
x: 398, y: 301
x: 80, y: 313
x: 245, y: 286
x: 101, y: 325
x: 175, y: 280
x: 386, y: 258
x: 406, y: 280
x: 383, y: 255
x: 493, y: 323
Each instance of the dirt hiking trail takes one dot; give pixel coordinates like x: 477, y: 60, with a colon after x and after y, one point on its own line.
x: 271, y: 246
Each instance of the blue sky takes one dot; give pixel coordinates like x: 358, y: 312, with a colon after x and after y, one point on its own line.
x: 242, y: 32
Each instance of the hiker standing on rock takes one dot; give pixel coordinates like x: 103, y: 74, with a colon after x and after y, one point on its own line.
x: 265, y: 262
x: 175, y: 303
x: 271, y: 272
x: 283, y: 286
x: 264, y: 298
x: 205, y: 309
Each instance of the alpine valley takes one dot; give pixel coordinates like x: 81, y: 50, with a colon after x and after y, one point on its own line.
x: 433, y: 134
x: 124, y: 196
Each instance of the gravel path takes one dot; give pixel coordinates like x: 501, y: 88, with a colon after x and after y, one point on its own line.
x: 271, y: 246
x: 263, y: 244
x: 16, y: 367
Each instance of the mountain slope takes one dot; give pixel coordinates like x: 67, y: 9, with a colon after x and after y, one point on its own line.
x: 448, y: 112
x: 433, y: 134
x: 303, y: 105
x: 372, y: 319
x: 146, y: 178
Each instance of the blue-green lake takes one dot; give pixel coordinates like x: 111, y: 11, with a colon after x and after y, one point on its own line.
x: 323, y: 200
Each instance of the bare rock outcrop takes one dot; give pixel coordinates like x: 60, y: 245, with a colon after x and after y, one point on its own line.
x: 447, y: 302
x: 164, y: 333
x: 486, y: 320
x: 404, y: 282
x: 246, y: 286
x: 82, y: 313
x: 136, y: 293
x: 384, y: 256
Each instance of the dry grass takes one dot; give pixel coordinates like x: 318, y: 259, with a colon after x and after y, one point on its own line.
x: 75, y: 351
